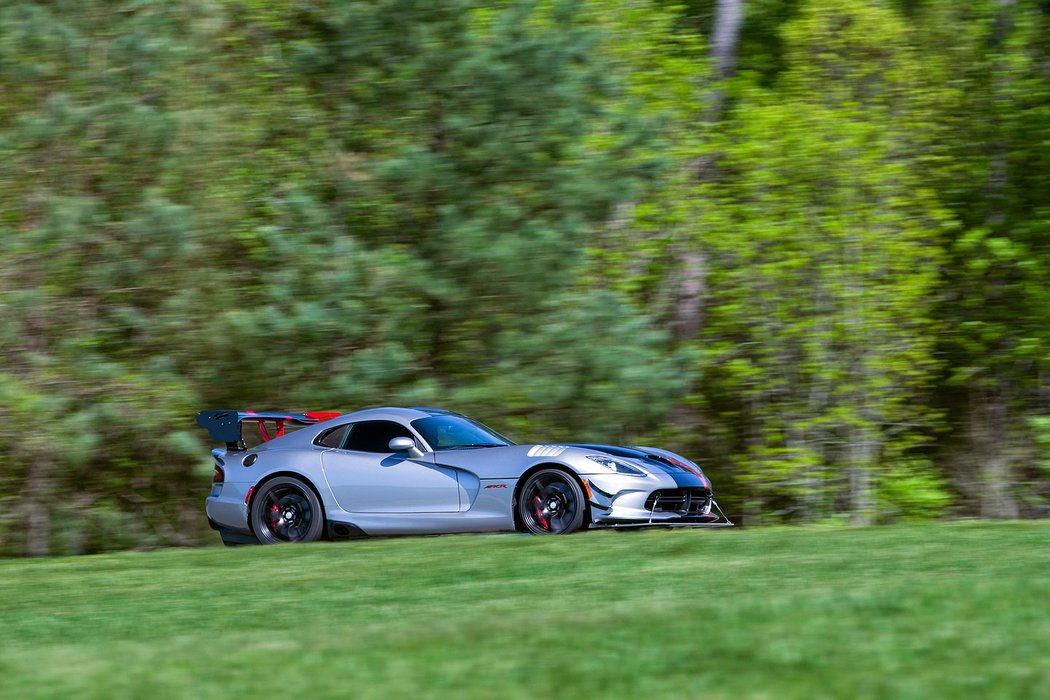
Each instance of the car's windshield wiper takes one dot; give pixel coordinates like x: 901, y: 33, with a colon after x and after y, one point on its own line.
x: 475, y: 444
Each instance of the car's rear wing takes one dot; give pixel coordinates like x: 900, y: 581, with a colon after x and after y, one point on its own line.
x: 224, y: 425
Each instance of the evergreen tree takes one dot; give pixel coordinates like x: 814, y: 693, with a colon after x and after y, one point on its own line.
x: 321, y: 205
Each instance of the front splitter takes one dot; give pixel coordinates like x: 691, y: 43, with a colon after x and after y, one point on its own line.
x: 625, y: 526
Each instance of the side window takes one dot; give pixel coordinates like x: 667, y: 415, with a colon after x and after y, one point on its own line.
x: 374, y: 436
x: 333, y: 437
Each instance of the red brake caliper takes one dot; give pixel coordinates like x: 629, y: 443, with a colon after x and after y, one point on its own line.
x: 537, y: 508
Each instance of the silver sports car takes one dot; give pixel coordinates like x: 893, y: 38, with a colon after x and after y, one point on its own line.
x: 401, y: 471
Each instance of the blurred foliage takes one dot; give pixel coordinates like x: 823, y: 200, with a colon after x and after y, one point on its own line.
x: 827, y: 263
x: 486, y: 206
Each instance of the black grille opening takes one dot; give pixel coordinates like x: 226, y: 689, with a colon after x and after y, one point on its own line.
x: 680, y: 501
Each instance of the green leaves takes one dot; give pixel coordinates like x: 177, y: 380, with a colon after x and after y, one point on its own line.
x: 507, y: 209
x: 824, y: 275
x: 322, y: 205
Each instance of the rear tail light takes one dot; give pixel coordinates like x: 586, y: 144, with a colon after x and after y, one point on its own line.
x: 219, y: 476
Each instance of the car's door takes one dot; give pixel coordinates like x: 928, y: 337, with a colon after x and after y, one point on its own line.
x: 366, y: 477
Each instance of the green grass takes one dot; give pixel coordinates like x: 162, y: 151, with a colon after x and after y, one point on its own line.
x: 958, y: 610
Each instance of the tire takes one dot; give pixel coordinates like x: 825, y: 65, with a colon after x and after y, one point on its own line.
x: 286, y: 509
x: 551, y: 502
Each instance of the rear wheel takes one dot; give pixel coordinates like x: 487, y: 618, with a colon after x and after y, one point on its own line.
x: 551, y: 503
x: 286, y: 509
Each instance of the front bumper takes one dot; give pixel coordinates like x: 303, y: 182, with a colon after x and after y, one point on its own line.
x: 655, y: 500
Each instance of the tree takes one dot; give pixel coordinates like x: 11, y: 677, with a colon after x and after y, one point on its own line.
x: 820, y: 332
x: 322, y: 205
x: 992, y: 175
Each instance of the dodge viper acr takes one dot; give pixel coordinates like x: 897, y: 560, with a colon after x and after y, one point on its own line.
x: 403, y: 471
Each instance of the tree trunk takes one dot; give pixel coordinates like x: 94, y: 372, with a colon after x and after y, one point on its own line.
x: 990, y: 420
x: 729, y: 16
x: 37, y: 515
x: 692, y: 285
x: 725, y: 38
x: 692, y: 290
x: 990, y: 438
x: 863, y: 451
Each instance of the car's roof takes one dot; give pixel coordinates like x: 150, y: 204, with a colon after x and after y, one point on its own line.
x: 393, y: 413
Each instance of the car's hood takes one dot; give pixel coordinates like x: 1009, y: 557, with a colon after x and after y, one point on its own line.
x: 650, y: 459
x: 511, y: 461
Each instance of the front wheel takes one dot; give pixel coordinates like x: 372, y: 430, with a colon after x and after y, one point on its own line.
x: 287, y: 510
x: 551, y: 503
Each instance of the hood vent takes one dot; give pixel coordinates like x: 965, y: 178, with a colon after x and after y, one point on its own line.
x: 547, y: 450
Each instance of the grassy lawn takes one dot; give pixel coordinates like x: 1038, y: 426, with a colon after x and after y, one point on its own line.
x: 956, y: 610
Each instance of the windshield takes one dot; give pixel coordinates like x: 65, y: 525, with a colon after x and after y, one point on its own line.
x: 448, y: 432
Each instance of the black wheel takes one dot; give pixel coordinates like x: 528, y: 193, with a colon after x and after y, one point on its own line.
x: 551, y: 503
x: 287, y: 510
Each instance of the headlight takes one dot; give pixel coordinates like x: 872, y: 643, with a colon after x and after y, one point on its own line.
x: 615, y: 466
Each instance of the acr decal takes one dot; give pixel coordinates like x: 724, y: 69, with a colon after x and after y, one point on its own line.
x: 496, y: 486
